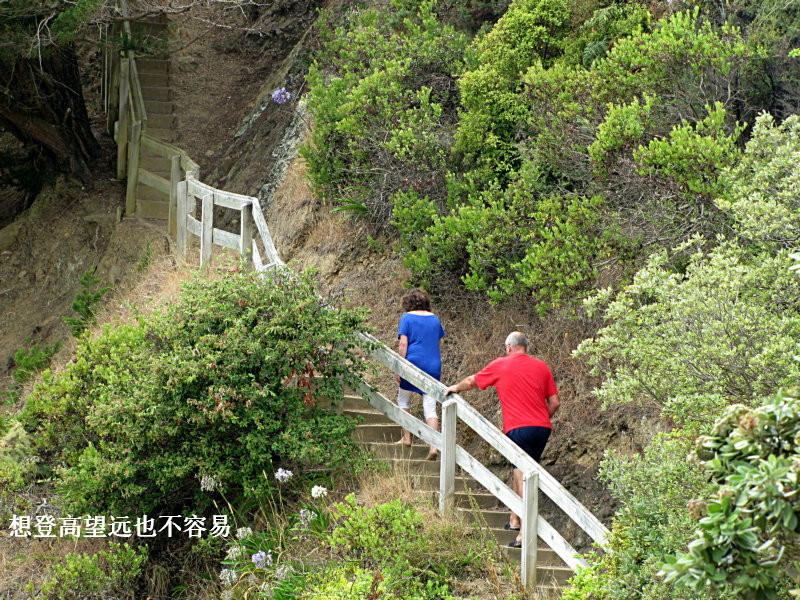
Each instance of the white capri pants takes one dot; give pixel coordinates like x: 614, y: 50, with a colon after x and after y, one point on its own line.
x: 428, y: 403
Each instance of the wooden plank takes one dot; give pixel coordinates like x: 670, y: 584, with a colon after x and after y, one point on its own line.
x: 174, y: 179
x: 447, y: 466
x: 124, y: 120
x: 133, y: 168
x: 263, y: 230
x: 207, y: 227
x: 181, y: 221
x: 136, y: 89
x: 246, y: 235
x: 159, y: 147
x: 154, y: 180
x: 228, y: 200
x: 494, y: 437
x: 226, y: 239
x: 257, y: 263
x: 487, y: 479
x: 530, y: 502
x: 193, y: 225
x: 189, y: 166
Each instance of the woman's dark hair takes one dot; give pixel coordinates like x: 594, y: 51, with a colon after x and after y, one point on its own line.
x: 416, y: 299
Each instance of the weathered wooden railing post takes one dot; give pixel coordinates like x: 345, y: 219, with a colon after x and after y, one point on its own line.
x: 183, y: 212
x: 174, y: 179
x: 124, y: 118
x: 207, y: 229
x: 530, y: 527
x: 447, y: 467
x: 134, y: 151
x: 246, y: 234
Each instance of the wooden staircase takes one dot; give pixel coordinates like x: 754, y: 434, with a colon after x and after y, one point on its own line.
x: 378, y: 434
x: 155, y: 80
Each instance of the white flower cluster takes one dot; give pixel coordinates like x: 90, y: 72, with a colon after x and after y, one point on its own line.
x: 243, y: 532
x: 283, y: 572
x: 234, y: 553
x: 209, y: 483
x: 228, y: 577
x: 306, y: 516
x: 318, y: 491
x: 283, y: 475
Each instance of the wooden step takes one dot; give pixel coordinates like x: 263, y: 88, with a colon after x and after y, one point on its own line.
x: 467, y: 498
x: 159, y: 93
x: 549, y: 575
x: 146, y: 193
x: 165, y: 135
x: 378, y: 433
x: 430, y: 482
x: 152, y: 65
x: 156, y: 121
x: 492, y: 519
x: 354, y: 401
x: 366, y: 416
x: 149, y: 209
x: 389, y: 451
x: 155, y: 164
x: 150, y: 80
x: 416, y: 466
x: 158, y: 107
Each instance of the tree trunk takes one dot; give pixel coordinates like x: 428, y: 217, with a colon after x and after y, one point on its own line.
x: 42, y: 102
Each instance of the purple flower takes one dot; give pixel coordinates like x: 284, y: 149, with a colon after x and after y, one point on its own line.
x: 281, y: 96
x: 262, y: 559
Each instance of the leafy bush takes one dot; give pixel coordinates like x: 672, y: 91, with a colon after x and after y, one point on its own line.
x: 29, y: 361
x: 104, y: 575
x: 749, y: 534
x: 653, y: 522
x: 85, y: 303
x: 382, y: 93
x: 721, y: 330
x: 222, y: 384
x: 763, y: 188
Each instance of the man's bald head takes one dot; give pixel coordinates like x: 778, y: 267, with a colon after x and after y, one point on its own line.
x: 517, y: 339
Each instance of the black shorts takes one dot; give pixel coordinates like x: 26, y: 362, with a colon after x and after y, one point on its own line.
x: 531, y: 439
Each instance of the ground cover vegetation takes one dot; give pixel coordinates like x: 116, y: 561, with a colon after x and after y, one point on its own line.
x: 631, y: 163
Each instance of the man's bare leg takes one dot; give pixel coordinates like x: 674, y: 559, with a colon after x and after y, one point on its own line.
x: 516, y: 484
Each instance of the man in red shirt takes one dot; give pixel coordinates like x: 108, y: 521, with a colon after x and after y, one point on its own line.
x: 528, y: 398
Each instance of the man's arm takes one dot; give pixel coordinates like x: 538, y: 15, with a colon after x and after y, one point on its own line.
x: 552, y: 404
x: 468, y: 383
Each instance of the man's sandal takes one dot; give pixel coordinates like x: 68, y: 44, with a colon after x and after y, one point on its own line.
x: 515, y: 544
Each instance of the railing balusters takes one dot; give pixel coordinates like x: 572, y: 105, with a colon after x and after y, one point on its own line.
x: 447, y: 467
x: 530, y: 527
x: 207, y: 224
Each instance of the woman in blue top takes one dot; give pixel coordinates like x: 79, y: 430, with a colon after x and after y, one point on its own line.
x: 419, y: 334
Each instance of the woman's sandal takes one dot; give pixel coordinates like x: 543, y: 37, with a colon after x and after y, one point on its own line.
x: 508, y: 527
x: 400, y: 442
x: 432, y: 455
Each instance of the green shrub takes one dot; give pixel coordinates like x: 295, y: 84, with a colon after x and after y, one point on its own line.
x: 29, y: 361
x: 382, y: 93
x: 106, y: 574
x: 221, y: 385
x: 763, y: 188
x: 85, y: 303
x: 719, y: 331
x: 748, y: 536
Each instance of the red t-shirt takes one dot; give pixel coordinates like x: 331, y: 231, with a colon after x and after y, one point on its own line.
x: 523, y: 385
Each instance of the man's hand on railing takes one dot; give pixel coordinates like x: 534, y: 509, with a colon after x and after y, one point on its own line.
x: 468, y: 383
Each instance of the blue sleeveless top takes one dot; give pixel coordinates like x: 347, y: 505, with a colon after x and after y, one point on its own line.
x: 423, y: 333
